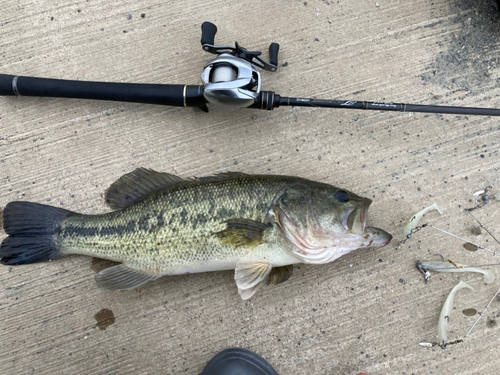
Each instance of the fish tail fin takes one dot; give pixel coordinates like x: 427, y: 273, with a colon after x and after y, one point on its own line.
x: 31, y: 228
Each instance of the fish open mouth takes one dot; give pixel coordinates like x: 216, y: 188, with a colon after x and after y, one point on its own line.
x: 354, y: 220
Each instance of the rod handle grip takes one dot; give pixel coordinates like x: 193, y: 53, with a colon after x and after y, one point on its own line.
x: 6, y: 87
x: 173, y: 95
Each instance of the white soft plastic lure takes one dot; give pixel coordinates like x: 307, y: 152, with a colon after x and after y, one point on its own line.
x: 444, y: 318
x: 426, y: 344
x: 415, y: 219
x: 489, y: 277
x: 480, y: 192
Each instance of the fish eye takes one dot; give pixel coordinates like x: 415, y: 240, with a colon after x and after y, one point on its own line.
x: 342, y: 196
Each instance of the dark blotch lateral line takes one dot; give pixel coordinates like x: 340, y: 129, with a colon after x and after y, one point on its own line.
x: 160, y: 221
x: 143, y: 223
x: 119, y: 230
x: 171, y: 220
x: 201, y: 218
x: 70, y: 231
x: 103, y: 231
x: 184, y: 217
x: 224, y: 212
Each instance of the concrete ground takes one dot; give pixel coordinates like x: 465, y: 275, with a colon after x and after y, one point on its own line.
x: 367, y: 311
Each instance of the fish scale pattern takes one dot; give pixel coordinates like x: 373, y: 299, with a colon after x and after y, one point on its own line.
x: 174, y: 230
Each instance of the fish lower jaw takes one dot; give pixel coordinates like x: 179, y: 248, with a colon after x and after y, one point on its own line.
x: 387, y: 243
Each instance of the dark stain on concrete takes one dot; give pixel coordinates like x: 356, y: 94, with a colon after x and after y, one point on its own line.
x: 470, y: 53
x: 104, y: 318
x: 470, y: 247
x: 469, y: 312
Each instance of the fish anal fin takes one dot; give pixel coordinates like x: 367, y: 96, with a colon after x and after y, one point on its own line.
x: 242, y: 232
x: 280, y: 274
x: 250, y: 277
x: 121, y: 277
x: 138, y: 184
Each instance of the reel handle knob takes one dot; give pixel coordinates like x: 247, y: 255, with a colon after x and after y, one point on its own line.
x: 273, y: 54
x: 208, y: 31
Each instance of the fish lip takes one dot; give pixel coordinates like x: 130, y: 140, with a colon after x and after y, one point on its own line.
x: 354, y: 211
x: 364, y: 211
x: 345, y: 217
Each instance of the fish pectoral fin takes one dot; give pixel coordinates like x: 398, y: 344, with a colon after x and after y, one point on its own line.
x: 242, y: 232
x: 121, y: 277
x: 138, y: 184
x: 280, y: 274
x: 250, y: 277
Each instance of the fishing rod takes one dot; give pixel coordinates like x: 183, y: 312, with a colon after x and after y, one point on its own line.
x: 231, y: 81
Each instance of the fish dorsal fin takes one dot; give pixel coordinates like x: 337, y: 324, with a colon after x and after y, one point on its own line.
x: 280, y: 274
x: 121, y: 277
x: 250, y: 277
x: 136, y: 185
x: 242, y: 232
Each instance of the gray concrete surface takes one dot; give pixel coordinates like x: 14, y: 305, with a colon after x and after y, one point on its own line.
x: 366, y: 312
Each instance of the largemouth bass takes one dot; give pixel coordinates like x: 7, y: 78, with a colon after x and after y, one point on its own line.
x: 257, y: 225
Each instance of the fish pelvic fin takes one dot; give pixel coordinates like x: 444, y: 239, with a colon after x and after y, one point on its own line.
x: 137, y: 185
x: 250, y: 277
x: 121, y: 277
x: 279, y: 275
x: 32, y: 231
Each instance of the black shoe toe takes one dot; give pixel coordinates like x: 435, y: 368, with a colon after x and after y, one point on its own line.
x: 237, y: 361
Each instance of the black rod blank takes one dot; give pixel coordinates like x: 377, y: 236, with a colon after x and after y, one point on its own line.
x: 397, y: 107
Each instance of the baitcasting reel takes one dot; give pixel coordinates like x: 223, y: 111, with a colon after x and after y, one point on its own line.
x: 231, y: 81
